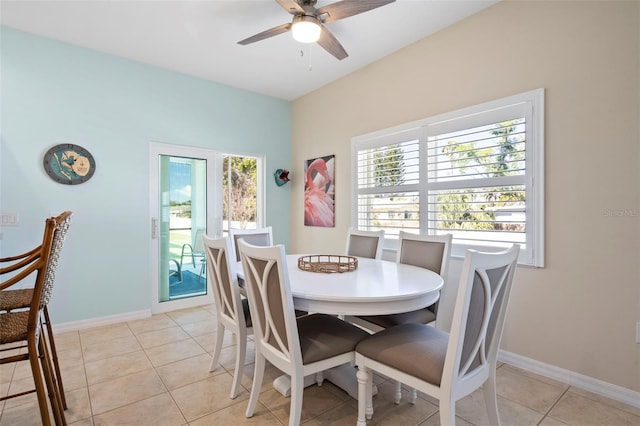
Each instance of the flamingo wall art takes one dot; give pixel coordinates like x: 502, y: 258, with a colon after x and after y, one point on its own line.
x: 319, y: 192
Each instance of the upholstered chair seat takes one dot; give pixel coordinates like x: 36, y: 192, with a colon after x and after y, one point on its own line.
x: 324, y: 336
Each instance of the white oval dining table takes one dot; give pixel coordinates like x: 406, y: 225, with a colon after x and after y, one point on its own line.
x: 375, y: 287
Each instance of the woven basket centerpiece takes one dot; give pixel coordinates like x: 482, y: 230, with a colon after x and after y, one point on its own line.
x: 327, y: 263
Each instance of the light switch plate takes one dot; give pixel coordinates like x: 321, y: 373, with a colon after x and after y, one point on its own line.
x: 9, y: 219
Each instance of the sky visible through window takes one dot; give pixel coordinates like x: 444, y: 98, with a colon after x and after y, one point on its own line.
x: 180, y: 182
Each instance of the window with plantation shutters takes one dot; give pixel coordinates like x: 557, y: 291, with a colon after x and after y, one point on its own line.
x: 475, y: 173
x: 388, y: 182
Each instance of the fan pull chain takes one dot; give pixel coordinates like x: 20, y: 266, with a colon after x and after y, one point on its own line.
x: 309, y: 55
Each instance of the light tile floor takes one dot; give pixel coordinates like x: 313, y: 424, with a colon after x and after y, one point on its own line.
x: 155, y: 371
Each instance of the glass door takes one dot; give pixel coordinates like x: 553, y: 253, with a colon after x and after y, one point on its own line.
x: 183, y: 200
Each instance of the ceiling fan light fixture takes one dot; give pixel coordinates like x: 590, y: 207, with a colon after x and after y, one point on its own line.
x: 305, y: 29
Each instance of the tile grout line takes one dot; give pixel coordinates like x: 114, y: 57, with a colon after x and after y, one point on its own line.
x: 154, y: 367
x: 86, y: 376
x: 554, y: 404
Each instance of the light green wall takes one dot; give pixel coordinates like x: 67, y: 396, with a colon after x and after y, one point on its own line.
x: 52, y: 93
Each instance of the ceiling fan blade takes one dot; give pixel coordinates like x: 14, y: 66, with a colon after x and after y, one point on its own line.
x: 331, y: 44
x: 345, y: 8
x: 266, y: 34
x: 291, y: 5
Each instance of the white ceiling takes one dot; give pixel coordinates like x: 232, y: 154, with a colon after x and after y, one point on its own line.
x: 200, y: 38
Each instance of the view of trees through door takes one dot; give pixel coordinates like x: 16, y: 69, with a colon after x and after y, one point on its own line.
x: 240, y: 193
x: 188, y: 216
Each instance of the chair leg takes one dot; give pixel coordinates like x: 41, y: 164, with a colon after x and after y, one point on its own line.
x: 365, y: 395
x: 490, y: 397
x: 54, y: 355
x: 202, y: 268
x: 258, y: 375
x: 447, y: 411
x: 297, y: 389
x: 363, y: 392
x: 36, y: 371
x: 241, y: 352
x: 397, y: 392
x: 413, y: 396
x: 369, y: 395
x: 50, y: 381
x: 182, y: 254
x: 217, y: 347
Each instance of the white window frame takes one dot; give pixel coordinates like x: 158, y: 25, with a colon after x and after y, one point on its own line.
x: 531, y: 103
x: 260, y: 188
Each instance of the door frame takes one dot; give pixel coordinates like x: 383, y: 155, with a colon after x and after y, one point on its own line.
x: 213, y: 219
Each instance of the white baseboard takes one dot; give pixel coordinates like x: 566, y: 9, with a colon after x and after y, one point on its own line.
x: 99, y: 322
x: 581, y: 381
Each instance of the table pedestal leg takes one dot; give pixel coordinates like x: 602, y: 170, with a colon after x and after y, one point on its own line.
x: 343, y: 376
x: 283, y: 383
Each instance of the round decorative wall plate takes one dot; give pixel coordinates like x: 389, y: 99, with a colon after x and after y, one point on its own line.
x: 69, y: 164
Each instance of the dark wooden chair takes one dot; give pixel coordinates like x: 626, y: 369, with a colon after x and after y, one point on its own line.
x: 22, y: 326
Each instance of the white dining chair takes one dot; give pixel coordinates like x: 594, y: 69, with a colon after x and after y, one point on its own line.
x: 365, y: 243
x: 256, y: 237
x: 232, y: 311
x: 425, y: 251
x: 298, y: 347
x: 452, y: 365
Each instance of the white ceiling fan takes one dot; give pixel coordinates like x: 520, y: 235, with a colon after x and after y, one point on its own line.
x: 308, y: 22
